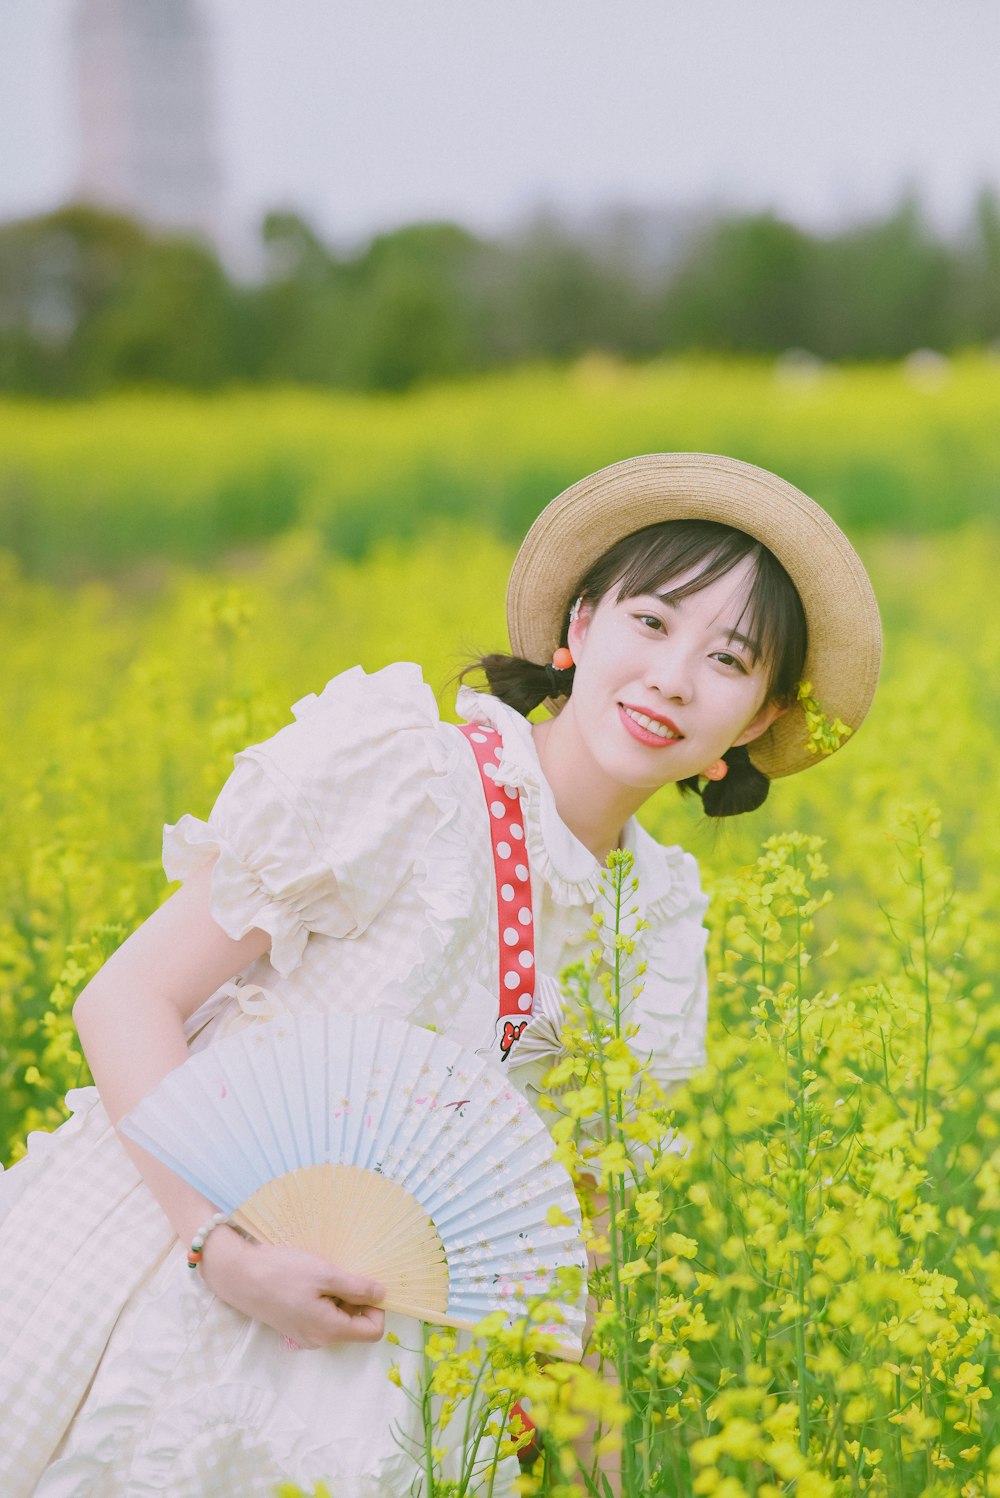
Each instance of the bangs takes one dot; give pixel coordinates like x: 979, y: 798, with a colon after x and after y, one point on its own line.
x: 772, y: 618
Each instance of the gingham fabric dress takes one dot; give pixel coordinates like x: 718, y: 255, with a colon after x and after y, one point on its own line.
x: 358, y: 837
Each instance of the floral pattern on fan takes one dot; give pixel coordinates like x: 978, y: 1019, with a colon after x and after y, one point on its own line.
x: 365, y: 1136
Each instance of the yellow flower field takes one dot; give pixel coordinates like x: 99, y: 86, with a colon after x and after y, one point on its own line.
x: 97, y: 486
x: 812, y: 1291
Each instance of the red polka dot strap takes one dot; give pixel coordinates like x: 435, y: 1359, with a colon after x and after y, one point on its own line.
x: 513, y: 883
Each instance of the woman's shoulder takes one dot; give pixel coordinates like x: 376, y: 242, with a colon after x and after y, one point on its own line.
x: 360, y: 704
x: 320, y: 825
x: 400, y: 685
x: 360, y: 727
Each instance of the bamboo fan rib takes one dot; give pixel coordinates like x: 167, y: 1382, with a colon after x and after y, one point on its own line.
x: 385, y: 1148
x: 359, y: 1221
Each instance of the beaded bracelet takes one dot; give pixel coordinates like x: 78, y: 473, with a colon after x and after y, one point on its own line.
x: 198, y: 1241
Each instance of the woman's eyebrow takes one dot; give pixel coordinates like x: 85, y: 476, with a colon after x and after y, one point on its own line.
x: 739, y: 639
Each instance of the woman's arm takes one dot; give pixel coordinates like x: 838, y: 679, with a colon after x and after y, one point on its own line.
x: 130, y: 1018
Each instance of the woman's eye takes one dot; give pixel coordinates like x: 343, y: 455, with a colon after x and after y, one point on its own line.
x: 728, y: 659
x: 651, y: 620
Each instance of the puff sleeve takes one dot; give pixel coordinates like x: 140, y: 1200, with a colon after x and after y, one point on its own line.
x: 317, y: 827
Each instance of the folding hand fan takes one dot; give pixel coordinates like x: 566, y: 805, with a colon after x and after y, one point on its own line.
x: 387, y: 1149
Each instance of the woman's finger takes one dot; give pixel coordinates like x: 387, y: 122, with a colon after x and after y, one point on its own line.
x: 356, y: 1288
x: 344, y: 1324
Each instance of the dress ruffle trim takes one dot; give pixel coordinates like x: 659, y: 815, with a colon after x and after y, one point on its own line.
x: 570, y: 870
x: 238, y: 901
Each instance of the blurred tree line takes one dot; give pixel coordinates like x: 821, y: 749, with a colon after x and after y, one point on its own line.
x: 91, y: 301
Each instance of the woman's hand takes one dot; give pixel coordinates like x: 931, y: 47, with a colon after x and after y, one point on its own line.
x: 297, y: 1293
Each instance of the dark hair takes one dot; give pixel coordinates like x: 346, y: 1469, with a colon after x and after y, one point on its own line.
x: 642, y: 562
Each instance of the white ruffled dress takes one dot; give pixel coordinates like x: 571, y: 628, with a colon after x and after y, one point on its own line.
x: 358, y: 838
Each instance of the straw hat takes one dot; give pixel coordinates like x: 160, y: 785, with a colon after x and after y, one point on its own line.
x: 844, y: 633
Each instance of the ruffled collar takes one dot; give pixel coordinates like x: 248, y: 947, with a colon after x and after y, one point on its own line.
x: 567, y: 865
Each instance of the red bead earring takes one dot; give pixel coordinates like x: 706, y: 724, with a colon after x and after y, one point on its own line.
x: 562, y: 658
x: 717, y: 771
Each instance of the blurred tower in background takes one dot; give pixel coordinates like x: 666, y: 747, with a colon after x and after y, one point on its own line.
x: 146, y: 117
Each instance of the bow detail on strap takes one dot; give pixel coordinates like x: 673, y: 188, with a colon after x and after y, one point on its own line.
x: 255, y: 1001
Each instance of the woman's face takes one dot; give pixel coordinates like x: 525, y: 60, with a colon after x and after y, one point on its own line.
x: 662, y: 689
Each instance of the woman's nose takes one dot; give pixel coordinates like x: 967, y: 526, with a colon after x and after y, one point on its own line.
x: 670, y: 675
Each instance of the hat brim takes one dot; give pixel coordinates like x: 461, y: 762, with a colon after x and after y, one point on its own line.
x: 842, y: 620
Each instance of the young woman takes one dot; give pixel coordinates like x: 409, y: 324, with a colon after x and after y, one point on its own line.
x: 666, y: 609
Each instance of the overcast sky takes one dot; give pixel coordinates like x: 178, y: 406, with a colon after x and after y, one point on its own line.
x: 368, y: 113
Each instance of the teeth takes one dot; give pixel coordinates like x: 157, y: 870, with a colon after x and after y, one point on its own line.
x: 650, y: 724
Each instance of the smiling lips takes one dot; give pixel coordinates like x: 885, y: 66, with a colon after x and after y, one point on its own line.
x: 655, y: 731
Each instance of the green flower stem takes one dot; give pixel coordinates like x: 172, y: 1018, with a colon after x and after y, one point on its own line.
x: 503, y: 1410
x: 800, y: 1194
x: 925, y: 981
x: 838, y: 1438
x: 427, y: 1413
x: 470, y: 1448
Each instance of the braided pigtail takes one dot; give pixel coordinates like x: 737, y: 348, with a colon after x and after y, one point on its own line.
x: 744, y: 788
x: 522, y: 684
